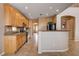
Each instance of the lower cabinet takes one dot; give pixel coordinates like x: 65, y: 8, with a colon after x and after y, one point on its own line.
x: 12, y: 43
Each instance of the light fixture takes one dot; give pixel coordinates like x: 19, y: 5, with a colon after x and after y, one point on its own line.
x: 57, y: 10
x: 26, y: 7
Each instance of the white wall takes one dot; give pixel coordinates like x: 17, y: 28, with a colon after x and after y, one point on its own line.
x: 73, y: 11
x: 2, y: 23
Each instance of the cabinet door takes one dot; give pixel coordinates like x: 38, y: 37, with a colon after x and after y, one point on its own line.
x: 7, y: 14
x: 25, y: 21
x: 21, y: 40
x: 12, y: 16
x: 10, y: 44
x: 24, y: 38
x: 18, y: 19
x: 21, y: 20
x: 18, y: 41
x: 53, y: 19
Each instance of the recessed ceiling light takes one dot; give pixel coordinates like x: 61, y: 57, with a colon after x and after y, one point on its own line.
x: 57, y: 10
x: 50, y: 7
x: 26, y: 7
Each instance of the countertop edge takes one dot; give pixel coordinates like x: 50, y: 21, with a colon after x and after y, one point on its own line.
x: 54, y: 31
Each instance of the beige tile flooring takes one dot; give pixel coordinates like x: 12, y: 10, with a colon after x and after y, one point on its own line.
x: 73, y: 50
x: 0, y: 51
x: 30, y: 49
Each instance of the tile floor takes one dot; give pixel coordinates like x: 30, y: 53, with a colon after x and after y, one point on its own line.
x: 29, y: 49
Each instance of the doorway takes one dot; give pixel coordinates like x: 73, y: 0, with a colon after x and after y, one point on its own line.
x: 68, y: 23
x: 35, y: 31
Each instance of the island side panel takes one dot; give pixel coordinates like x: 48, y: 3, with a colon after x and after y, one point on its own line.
x: 53, y: 41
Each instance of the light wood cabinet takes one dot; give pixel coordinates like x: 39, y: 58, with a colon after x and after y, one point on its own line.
x: 13, y: 42
x: 44, y: 21
x: 7, y: 14
x: 27, y: 22
x: 18, y: 20
x: 13, y: 16
x: 9, y: 44
x: 53, y: 18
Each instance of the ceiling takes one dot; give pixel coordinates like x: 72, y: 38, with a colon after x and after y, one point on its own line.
x: 36, y: 10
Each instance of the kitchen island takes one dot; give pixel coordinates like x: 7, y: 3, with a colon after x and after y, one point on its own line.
x: 53, y: 41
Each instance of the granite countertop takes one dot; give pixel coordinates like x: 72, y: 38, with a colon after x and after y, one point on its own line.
x: 14, y: 33
x: 54, y: 30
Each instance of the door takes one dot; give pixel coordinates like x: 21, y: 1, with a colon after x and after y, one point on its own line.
x: 68, y: 23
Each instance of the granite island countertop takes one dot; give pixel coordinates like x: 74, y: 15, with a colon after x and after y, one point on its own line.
x: 54, y: 30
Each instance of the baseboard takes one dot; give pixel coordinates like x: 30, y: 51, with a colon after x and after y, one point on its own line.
x: 2, y: 53
x: 39, y: 52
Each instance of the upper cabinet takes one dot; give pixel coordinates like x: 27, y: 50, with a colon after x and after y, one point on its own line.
x: 14, y: 17
x: 18, y: 19
x: 7, y: 14
x: 43, y: 22
x: 53, y: 19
